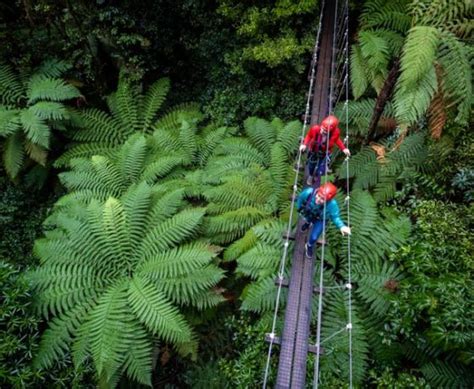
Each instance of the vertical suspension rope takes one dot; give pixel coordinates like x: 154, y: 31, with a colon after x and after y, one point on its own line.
x: 348, y: 198
x: 295, y: 188
x: 333, y: 59
x: 321, y: 272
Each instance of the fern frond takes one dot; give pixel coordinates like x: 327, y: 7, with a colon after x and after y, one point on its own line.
x: 57, y: 338
x: 455, y: 60
x: 412, y: 102
x: 13, y: 154
x: 100, y: 127
x: 372, y: 278
x: 419, y: 52
x: 152, y: 101
x: 170, y: 232
x: 447, y: 375
x: 156, y: 312
x: 261, y: 134
x: 172, y: 120
x: 35, y: 152
x: 374, y: 48
x: 388, y: 14
x: 9, y: 121
x: 50, y: 110
x: 11, y: 90
x: 260, y: 296
x: 288, y: 137
x: 36, y: 128
x: 359, y: 81
x: 52, y: 68
x: 107, y: 323
x: 126, y: 110
x: 53, y: 89
x: 85, y: 150
x: 138, y: 358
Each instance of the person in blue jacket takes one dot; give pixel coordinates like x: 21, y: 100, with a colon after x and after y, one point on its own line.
x: 310, y: 205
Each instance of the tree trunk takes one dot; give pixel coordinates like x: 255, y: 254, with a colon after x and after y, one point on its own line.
x: 382, y: 98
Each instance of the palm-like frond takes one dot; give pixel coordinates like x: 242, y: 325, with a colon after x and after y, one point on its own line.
x: 99, y: 177
x: 249, y: 178
x: 129, y: 113
x: 113, y: 275
x: 31, y: 113
x: 51, y: 89
x: 11, y: 90
x: 359, y: 79
x: 386, y: 13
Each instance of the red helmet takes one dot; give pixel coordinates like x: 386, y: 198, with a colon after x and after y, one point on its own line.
x: 330, y: 123
x: 327, y: 191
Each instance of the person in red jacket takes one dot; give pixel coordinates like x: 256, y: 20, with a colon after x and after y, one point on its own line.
x: 316, y: 141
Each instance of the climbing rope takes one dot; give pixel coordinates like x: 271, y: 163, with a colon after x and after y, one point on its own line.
x: 293, y: 197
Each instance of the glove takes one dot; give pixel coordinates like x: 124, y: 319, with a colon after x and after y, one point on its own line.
x: 347, y: 152
x: 345, y: 230
x: 303, y: 148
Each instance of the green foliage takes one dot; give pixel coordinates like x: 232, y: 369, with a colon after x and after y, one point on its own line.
x: 21, y: 214
x: 381, y: 174
x: 385, y: 13
x: 245, y: 366
x: 125, y: 268
x: 32, y: 105
x: 417, y: 83
x: 435, y: 75
x: 129, y: 113
x: 389, y: 379
x: 250, y: 178
x: 256, y: 25
x: 19, y: 336
x: 433, y: 304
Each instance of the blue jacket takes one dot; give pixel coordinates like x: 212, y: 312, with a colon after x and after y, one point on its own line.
x: 313, y: 212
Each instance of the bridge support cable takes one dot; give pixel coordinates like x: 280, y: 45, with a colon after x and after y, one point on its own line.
x: 348, y: 198
x: 272, y: 336
x: 328, y: 81
x: 337, y: 89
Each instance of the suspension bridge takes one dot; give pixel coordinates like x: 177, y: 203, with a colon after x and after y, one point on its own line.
x: 328, y: 85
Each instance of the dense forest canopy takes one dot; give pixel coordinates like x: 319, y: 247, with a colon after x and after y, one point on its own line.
x: 148, y: 158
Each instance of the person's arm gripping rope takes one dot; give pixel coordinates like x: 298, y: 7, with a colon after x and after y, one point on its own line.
x: 340, y: 143
x: 309, y: 138
x: 334, y: 214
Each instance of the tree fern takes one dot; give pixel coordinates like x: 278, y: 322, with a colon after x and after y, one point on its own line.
x: 385, y: 13
x: 137, y: 160
x: 336, y: 346
x: 359, y: 79
x: 249, y: 178
x: 114, y: 278
x: 33, y: 105
x: 128, y: 113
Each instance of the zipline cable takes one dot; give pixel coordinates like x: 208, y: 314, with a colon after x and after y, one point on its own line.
x: 295, y: 189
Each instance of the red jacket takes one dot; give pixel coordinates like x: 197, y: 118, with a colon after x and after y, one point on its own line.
x: 313, y: 139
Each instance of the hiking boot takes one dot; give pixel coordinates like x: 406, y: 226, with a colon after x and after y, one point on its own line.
x: 309, y: 181
x: 308, y: 251
x: 305, y: 227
